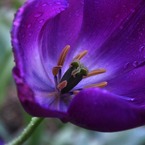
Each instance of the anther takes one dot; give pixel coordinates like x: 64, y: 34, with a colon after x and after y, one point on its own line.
x: 62, y: 85
x: 80, y: 55
x: 95, y: 72
x: 76, y: 92
x: 61, y: 60
x: 63, y: 55
x: 100, y: 85
x: 55, y: 70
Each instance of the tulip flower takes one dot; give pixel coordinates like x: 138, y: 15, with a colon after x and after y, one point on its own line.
x: 82, y: 61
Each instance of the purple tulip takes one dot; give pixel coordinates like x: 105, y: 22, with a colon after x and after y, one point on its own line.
x: 82, y: 61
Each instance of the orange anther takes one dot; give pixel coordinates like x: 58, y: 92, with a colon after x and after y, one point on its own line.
x: 55, y: 70
x: 100, y: 85
x: 63, y: 55
x: 95, y: 72
x: 62, y: 85
x: 81, y: 55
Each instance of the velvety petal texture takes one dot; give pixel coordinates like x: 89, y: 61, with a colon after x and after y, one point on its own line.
x: 100, y: 110
x: 113, y: 32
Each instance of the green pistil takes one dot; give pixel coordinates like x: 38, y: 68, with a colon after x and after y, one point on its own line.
x: 73, y: 75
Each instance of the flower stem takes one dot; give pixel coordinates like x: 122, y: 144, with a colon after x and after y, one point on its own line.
x: 27, y: 132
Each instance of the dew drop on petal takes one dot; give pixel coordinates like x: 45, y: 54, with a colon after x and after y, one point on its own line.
x: 41, y: 21
x: 135, y: 63
x: 30, y: 33
x: 126, y: 65
x: 38, y: 15
x: 15, y: 40
x: 121, y: 27
x: 132, y: 10
x: 44, y: 5
x: 132, y: 99
x: 23, y: 36
x: 141, y: 49
x: 29, y: 25
x: 58, y: 3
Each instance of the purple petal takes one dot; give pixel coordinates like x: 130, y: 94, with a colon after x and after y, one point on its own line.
x: 34, y: 84
x: 131, y: 84
x: 122, y: 53
x: 38, y: 103
x: 102, y: 20
x: 58, y: 32
x: 99, y: 110
x: 26, y: 28
x: 82, y: 28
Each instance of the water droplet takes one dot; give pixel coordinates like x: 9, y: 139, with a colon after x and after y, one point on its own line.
x: 58, y: 3
x: 38, y: 15
x: 126, y: 65
x: 23, y: 36
x: 16, y: 23
x: 135, y: 63
x: 29, y: 25
x: 132, y: 10
x: 117, y: 15
x: 30, y: 34
x: 44, y: 5
x: 132, y: 99
x: 15, y: 40
x: 22, y: 25
x: 141, y: 49
x: 82, y: 2
x: 121, y: 27
x: 41, y: 21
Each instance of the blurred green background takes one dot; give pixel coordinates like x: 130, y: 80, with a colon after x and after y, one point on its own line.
x: 51, y: 132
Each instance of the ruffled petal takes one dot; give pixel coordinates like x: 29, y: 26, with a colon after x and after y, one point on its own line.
x: 99, y: 110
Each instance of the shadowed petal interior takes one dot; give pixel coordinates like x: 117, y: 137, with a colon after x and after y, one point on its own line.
x: 100, y: 110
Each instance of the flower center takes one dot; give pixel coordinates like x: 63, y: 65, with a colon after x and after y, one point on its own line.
x: 75, y: 73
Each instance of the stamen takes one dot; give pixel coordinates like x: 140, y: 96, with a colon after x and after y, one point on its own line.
x: 63, y: 55
x: 62, y: 85
x: 81, y: 55
x: 95, y: 72
x: 55, y: 70
x: 61, y: 60
x: 74, y: 74
x: 100, y: 85
x: 76, y: 92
